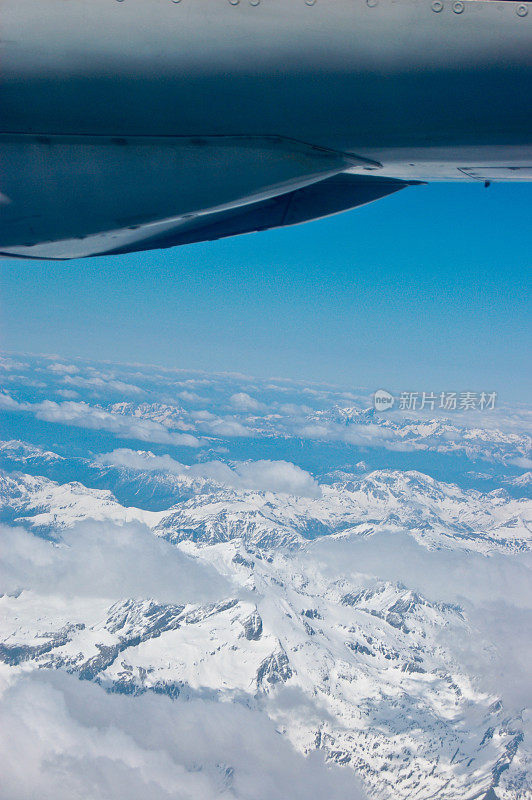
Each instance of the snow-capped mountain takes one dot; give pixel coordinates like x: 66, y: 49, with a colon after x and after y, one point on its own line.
x: 388, y: 500
x: 372, y: 658
x: 437, y: 514
x: 48, y: 506
x: 440, y: 434
x: 228, y: 589
x: 374, y: 680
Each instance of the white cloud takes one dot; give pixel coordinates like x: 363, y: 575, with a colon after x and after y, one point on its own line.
x: 8, y: 403
x: 191, y: 397
x: 63, y: 739
x: 82, y: 415
x: 105, y: 560
x: 226, y: 427
x: 293, y: 410
x: 125, y: 426
x: 369, y: 435
x: 278, y: 476
x: 525, y: 463
x: 101, y: 384
x: 263, y: 475
x: 244, y: 402
x: 495, y: 593
x: 448, y: 575
x: 141, y: 460
x: 9, y: 363
x: 220, y: 426
x: 63, y: 369
x: 203, y: 416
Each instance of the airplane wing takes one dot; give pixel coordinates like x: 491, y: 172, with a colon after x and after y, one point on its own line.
x: 339, y: 193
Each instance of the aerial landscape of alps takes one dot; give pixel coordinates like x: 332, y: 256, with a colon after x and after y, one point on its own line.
x: 216, y: 586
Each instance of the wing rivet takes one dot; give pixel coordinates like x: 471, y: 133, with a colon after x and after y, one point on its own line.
x: 458, y: 7
x: 254, y: 2
x: 234, y: 2
x: 310, y: 2
x: 521, y: 10
x: 437, y: 6
x: 371, y: 3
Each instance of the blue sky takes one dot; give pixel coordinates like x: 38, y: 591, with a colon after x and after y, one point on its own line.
x: 428, y: 289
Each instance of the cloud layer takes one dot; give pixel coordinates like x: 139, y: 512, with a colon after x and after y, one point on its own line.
x: 78, y: 742
x: 108, y: 561
x: 170, y: 407
x: 495, y: 593
x: 83, y: 415
x: 262, y: 475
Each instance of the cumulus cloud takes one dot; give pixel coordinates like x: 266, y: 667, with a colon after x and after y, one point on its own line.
x: 192, y: 397
x: 126, y: 426
x: 63, y: 369
x: 263, y: 475
x: 83, y: 415
x: 8, y: 403
x: 369, y: 435
x: 220, y: 426
x: 277, y: 476
x: 62, y: 739
x: 141, y: 460
x: 242, y: 401
x: 10, y: 363
x: 203, y: 415
x: 108, y: 561
x: 225, y: 427
x: 525, y: 463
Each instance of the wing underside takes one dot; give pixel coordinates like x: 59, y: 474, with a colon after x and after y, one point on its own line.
x: 73, y: 197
